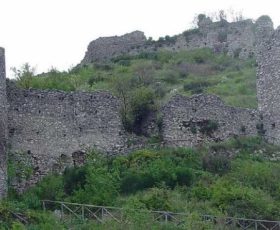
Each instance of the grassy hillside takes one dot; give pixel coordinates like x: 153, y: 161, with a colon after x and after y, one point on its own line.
x: 239, y: 178
x: 165, y: 73
x: 235, y: 178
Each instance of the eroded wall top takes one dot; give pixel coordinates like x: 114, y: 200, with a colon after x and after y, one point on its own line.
x: 236, y: 39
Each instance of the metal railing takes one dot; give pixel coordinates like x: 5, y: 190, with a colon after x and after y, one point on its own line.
x: 101, y: 214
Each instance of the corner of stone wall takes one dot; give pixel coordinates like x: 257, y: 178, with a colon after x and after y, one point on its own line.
x: 3, y: 126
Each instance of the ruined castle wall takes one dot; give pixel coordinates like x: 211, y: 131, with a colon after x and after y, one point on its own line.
x: 3, y: 125
x: 268, y: 77
x: 49, y: 127
x: 105, y: 48
x: 190, y: 121
x: 236, y: 39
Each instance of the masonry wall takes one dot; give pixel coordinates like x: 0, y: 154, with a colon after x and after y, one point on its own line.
x: 268, y: 77
x: 3, y: 126
x: 236, y: 39
x: 48, y: 129
x: 105, y: 48
x: 191, y: 121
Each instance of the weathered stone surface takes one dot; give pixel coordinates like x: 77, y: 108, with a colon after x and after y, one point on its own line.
x: 105, y: 48
x: 268, y: 77
x: 3, y: 125
x: 204, y: 118
x: 52, y: 126
x: 48, y: 130
x: 236, y: 39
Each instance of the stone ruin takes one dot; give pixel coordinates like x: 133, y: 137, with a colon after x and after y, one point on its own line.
x: 3, y: 125
x: 49, y: 130
x: 268, y: 77
x: 237, y: 39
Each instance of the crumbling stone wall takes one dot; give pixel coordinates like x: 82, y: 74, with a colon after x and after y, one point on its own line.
x: 105, y: 48
x: 3, y: 126
x: 50, y: 127
x: 268, y: 77
x: 236, y: 39
x: 48, y: 130
x: 190, y: 121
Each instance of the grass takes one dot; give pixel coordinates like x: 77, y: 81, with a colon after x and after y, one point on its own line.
x: 178, y: 180
x: 184, y: 72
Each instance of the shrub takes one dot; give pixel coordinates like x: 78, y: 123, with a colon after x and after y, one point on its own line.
x: 196, y: 87
x: 244, y: 201
x: 170, y: 77
x: 184, y: 176
x: 74, y: 179
x: 95, y: 79
x: 207, y: 127
x: 148, y: 56
x: 259, y: 175
x: 156, y: 199
x: 202, y: 55
x: 219, y: 164
x: 50, y: 188
x: 201, y: 192
x: 101, y: 188
x: 24, y: 75
x: 141, y: 103
x: 133, y: 182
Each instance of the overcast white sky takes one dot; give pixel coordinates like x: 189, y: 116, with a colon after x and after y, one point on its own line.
x: 56, y: 33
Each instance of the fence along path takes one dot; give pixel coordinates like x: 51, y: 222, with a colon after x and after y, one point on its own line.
x: 84, y: 212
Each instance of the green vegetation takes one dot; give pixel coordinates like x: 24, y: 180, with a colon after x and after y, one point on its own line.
x: 234, y: 178
x: 146, y: 81
x: 162, y: 73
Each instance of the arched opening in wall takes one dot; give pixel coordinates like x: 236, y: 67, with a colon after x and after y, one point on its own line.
x: 79, y: 158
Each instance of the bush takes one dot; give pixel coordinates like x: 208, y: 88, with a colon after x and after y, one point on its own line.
x: 259, y: 175
x: 24, y: 75
x: 219, y: 164
x: 74, y: 179
x: 101, y: 188
x: 156, y: 199
x: 207, y: 127
x: 245, y: 201
x: 141, y: 103
x: 50, y: 188
x: 196, y: 87
x: 184, y: 176
x: 170, y: 77
x: 133, y: 182
x: 201, y: 192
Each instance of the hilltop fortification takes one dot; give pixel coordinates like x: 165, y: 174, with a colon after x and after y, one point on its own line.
x: 235, y: 38
x: 49, y: 130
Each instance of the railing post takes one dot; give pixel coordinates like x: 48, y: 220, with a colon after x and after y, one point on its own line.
x: 62, y: 211
x: 256, y: 225
x: 166, y: 217
x: 102, y: 213
x: 83, y: 212
x: 44, y: 206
